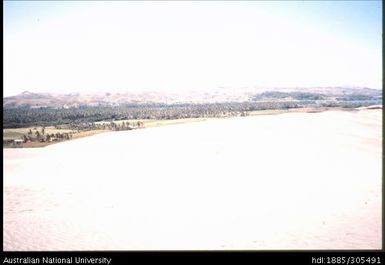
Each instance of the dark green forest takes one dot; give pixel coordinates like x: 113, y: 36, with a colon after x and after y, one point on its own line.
x: 25, y: 116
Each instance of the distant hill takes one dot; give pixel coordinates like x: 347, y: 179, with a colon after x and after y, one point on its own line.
x: 37, y: 100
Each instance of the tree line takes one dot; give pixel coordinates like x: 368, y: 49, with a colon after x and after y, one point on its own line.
x: 40, y: 135
x: 85, y: 117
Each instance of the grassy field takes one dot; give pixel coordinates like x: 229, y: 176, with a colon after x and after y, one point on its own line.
x: 10, y: 134
x: 17, y: 133
x: 155, y: 123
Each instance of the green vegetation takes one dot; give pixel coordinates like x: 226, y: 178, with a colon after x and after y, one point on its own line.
x: 29, y: 127
x: 42, y: 136
x: 87, y: 116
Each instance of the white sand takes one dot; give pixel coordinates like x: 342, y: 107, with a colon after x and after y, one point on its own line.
x: 289, y: 181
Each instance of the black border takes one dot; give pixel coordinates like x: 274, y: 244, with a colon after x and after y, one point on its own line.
x: 236, y: 257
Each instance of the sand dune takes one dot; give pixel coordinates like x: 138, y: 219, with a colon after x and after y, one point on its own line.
x: 288, y: 181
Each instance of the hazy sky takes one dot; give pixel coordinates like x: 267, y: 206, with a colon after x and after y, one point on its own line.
x: 65, y: 46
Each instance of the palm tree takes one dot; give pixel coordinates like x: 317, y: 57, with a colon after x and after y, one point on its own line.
x: 37, y: 135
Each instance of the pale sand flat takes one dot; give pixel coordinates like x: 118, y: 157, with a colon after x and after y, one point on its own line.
x: 288, y: 181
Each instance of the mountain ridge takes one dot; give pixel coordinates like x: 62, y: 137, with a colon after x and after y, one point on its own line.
x: 221, y: 95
